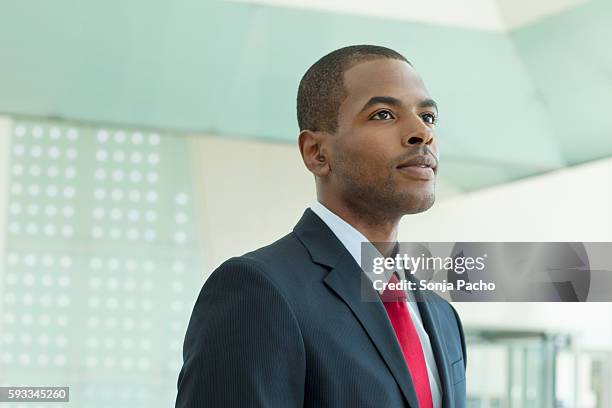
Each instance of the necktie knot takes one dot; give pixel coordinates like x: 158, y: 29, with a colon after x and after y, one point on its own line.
x: 393, y: 291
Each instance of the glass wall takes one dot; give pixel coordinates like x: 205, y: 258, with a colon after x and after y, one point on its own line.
x: 526, y: 369
x: 512, y: 369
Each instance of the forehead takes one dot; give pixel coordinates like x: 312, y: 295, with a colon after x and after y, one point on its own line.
x: 383, y: 77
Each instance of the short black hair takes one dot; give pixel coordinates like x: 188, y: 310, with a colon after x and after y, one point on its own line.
x: 321, y: 89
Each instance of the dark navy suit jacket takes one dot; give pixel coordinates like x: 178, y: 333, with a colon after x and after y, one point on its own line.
x: 285, y: 326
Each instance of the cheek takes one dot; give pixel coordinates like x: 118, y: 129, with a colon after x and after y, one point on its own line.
x: 370, y: 151
x: 368, y: 163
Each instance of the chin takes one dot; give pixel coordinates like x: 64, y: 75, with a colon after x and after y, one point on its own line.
x: 419, y: 203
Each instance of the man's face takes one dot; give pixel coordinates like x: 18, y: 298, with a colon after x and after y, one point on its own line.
x: 384, y: 154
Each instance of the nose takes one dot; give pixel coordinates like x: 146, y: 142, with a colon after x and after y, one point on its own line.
x: 418, y: 133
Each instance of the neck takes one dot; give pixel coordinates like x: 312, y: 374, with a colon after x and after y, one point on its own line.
x: 377, y: 228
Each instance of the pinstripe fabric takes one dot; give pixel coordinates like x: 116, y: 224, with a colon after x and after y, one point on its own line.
x: 285, y: 326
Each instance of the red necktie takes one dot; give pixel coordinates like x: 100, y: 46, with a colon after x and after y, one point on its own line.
x: 397, y: 309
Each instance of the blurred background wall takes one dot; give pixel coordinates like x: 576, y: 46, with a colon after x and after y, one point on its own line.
x: 141, y: 144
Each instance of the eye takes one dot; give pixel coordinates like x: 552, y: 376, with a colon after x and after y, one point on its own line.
x: 382, y: 115
x: 430, y: 118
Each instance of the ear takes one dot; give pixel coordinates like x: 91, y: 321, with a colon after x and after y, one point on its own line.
x: 313, y: 152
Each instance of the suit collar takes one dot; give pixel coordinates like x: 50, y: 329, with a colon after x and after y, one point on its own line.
x: 352, y: 239
x: 322, y: 245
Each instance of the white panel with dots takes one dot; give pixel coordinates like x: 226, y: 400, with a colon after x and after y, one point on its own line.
x: 100, y: 265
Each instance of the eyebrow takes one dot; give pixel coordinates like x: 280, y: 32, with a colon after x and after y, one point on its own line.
x: 390, y: 100
x: 428, y: 103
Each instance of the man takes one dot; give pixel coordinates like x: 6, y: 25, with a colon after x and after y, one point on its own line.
x: 287, y: 325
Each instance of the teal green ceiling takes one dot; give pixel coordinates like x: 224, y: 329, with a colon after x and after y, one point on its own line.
x: 570, y: 63
x: 511, y: 105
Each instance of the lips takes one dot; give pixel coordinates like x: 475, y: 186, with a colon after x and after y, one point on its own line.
x: 419, y: 167
x: 419, y: 161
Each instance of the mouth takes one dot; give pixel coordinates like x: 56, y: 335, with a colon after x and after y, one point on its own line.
x: 418, y: 172
x: 420, y: 168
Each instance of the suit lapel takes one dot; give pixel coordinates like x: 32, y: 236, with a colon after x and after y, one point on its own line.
x: 345, y: 279
x: 428, y: 310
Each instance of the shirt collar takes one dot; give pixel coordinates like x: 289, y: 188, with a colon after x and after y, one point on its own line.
x: 349, y: 236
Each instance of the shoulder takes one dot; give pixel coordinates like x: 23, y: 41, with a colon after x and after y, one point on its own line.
x: 268, y: 257
x: 277, y: 265
x: 277, y: 253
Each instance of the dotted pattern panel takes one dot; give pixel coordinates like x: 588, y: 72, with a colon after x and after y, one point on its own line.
x: 101, y: 267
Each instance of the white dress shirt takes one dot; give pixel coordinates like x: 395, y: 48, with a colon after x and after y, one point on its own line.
x: 351, y: 238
